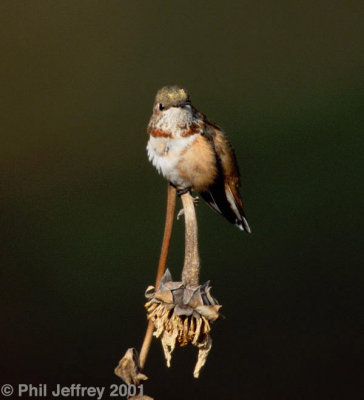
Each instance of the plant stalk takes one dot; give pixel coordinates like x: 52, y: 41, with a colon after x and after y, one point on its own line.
x: 191, y: 267
x: 171, y: 205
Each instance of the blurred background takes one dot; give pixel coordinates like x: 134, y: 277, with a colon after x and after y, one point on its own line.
x: 82, y: 209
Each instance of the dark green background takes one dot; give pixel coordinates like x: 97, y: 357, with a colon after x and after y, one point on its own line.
x: 82, y: 210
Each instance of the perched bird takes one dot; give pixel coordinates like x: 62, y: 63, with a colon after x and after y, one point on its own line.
x: 194, y: 153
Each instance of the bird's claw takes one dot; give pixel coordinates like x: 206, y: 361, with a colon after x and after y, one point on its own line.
x: 181, y: 212
x: 196, y: 200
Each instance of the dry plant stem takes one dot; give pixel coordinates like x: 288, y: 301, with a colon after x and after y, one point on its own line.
x: 191, y: 268
x: 171, y: 204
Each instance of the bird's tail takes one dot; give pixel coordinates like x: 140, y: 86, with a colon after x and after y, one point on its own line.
x: 243, y: 225
x: 223, y: 202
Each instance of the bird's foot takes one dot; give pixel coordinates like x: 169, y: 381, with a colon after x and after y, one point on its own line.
x: 181, y: 191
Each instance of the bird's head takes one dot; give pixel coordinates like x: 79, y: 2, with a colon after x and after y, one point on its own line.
x: 171, y: 96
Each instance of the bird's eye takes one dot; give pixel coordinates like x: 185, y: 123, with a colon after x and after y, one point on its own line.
x: 161, y: 106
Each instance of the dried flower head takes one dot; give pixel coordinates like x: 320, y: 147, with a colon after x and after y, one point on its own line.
x: 129, y: 368
x: 182, y: 314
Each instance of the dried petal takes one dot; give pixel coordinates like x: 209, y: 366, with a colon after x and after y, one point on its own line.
x: 164, y: 295
x: 206, y: 296
x: 203, y: 352
x: 168, y: 344
x: 183, y: 310
x: 173, y: 285
x: 197, y: 331
x: 167, y: 277
x: 150, y: 292
x: 189, y: 292
x: 210, y: 312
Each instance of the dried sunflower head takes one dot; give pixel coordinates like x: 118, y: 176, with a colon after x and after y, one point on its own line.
x: 182, y: 314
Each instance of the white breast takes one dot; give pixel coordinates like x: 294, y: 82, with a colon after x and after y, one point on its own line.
x: 165, y: 153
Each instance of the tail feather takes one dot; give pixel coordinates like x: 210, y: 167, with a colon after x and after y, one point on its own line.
x: 219, y: 201
x: 243, y: 225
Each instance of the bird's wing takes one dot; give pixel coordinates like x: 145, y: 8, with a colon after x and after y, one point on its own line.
x: 227, y: 160
x: 229, y: 166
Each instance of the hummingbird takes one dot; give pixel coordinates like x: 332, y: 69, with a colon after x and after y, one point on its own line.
x: 193, y: 153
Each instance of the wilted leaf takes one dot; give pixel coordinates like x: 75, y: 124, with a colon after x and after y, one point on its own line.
x: 128, y: 368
